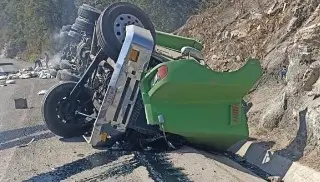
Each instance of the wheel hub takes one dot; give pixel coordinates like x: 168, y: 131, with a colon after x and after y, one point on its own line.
x: 68, y: 116
x: 120, y: 24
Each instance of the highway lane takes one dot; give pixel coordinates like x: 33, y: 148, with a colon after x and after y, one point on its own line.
x: 51, y: 158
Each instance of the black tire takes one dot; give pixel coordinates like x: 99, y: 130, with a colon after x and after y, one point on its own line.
x: 66, y: 75
x: 83, y: 25
x: 64, y: 64
x: 88, y: 12
x: 51, y: 114
x: 53, y: 72
x: 105, y: 26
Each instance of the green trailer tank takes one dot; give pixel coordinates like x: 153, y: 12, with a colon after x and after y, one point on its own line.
x: 200, y: 104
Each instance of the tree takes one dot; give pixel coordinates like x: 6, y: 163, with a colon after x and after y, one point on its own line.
x: 29, y: 26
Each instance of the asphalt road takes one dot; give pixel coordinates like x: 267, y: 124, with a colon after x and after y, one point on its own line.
x: 51, y: 158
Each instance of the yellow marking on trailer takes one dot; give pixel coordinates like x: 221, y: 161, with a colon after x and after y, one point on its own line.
x: 104, y: 137
x: 134, y: 55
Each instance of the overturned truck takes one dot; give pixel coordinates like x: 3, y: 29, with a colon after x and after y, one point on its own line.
x: 144, y: 85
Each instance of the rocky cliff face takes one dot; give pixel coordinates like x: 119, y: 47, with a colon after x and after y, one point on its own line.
x: 285, y: 114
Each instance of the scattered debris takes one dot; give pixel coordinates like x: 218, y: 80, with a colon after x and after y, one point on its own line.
x: 44, y: 74
x: 274, y: 179
x: 21, y: 103
x: 42, y: 92
x: 3, y: 77
x: 25, y: 76
x: 80, y: 155
x: 25, y: 145
x: 29, y: 69
x: 34, y: 74
x: 10, y: 82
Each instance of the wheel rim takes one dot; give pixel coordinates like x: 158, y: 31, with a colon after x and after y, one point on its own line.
x: 67, y: 117
x: 120, y: 24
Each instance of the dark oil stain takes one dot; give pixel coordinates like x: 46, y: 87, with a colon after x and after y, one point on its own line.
x: 6, y: 136
x: 159, y: 167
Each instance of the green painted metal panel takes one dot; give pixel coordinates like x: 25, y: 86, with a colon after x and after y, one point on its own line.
x: 176, y: 42
x: 200, y: 104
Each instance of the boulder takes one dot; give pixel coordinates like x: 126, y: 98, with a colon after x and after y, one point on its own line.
x: 273, y: 113
x: 310, y: 77
x: 313, y: 124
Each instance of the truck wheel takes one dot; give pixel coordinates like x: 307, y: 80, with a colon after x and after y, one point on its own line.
x: 83, y: 25
x: 88, y: 12
x: 111, y: 26
x: 57, y: 116
x: 66, y: 75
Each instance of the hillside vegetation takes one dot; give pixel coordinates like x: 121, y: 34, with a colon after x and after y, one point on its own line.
x: 28, y: 27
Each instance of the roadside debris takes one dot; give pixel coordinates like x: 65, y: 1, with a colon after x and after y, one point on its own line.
x: 28, y: 73
x: 25, y: 145
x: 274, y: 179
x: 3, y: 77
x: 25, y: 76
x: 10, y: 81
x: 44, y: 74
x: 21, y: 103
x: 42, y: 92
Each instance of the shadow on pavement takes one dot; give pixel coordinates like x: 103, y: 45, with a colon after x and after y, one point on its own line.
x: 78, y: 166
x: 72, y: 140
x: 25, y: 140
x: 6, y: 136
x: 157, y: 164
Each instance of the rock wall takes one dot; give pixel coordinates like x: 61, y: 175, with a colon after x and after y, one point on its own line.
x: 282, y: 34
